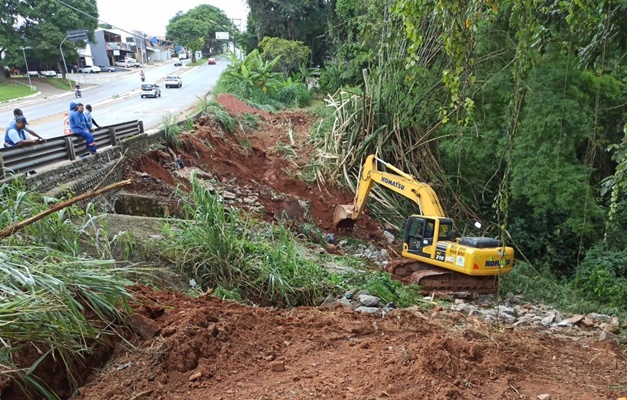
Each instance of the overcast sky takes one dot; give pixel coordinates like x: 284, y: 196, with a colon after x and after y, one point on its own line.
x: 151, y: 17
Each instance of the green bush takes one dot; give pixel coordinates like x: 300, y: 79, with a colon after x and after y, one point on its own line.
x: 603, y: 277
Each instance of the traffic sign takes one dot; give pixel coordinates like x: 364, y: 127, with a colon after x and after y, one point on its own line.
x: 76, y: 35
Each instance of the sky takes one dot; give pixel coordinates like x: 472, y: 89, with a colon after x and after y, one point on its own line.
x: 151, y: 17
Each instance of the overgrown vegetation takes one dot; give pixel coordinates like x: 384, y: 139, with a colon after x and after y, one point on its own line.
x: 171, y: 130
x: 258, y: 262
x: 58, y: 303
x: 256, y: 81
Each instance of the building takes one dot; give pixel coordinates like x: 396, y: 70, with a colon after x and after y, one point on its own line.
x: 113, y: 45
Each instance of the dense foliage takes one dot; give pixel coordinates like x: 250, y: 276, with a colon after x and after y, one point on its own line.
x: 196, y: 29
x: 514, y: 112
x: 41, y: 25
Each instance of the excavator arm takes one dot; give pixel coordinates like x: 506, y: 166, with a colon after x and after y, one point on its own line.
x: 394, y: 179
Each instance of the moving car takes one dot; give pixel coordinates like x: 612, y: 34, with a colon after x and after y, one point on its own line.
x: 150, y: 90
x: 90, y: 69
x: 211, y: 61
x: 178, y: 63
x: 173, y: 81
x: 107, y: 68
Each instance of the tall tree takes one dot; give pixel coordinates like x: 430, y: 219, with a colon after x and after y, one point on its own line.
x: 42, y: 26
x: 213, y: 19
x: 188, y: 32
x: 293, y: 54
x: 303, y: 20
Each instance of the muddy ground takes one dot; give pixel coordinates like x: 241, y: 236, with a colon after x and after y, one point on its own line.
x: 205, y: 348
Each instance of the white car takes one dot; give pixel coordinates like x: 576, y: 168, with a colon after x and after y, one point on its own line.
x: 173, y: 81
x: 90, y: 69
x: 150, y: 90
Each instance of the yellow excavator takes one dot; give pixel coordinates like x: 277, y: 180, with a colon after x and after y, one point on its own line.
x: 435, y: 258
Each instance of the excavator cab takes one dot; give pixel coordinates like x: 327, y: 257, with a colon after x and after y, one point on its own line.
x: 421, y: 233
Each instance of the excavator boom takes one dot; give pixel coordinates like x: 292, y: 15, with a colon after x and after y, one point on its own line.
x: 396, y: 180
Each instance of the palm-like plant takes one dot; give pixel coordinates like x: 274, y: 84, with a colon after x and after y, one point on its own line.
x: 255, y: 71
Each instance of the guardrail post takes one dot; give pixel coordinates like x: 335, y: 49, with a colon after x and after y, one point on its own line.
x: 69, y: 148
x: 141, y: 126
x: 2, y: 171
x: 114, y: 140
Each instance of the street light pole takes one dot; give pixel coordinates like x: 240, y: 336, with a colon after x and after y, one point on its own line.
x: 64, y: 64
x: 26, y: 62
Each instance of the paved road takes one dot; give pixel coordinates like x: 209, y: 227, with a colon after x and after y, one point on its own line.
x: 115, y: 98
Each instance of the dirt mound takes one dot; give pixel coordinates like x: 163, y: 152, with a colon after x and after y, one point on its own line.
x: 235, y: 106
x: 205, y: 348
x: 270, y: 161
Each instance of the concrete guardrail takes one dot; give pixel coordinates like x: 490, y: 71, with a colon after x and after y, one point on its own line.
x: 17, y: 160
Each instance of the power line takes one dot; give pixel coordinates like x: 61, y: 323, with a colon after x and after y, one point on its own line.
x: 99, y: 20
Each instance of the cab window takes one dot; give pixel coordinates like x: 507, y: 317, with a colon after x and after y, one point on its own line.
x: 445, y: 231
x: 415, y: 228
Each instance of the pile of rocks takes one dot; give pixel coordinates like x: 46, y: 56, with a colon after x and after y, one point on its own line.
x: 511, y: 311
x: 370, y: 252
x: 228, y: 192
x: 361, y: 302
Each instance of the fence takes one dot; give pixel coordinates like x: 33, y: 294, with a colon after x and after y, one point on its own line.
x: 15, y: 160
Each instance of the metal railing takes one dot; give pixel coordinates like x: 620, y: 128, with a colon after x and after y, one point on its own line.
x: 19, y: 159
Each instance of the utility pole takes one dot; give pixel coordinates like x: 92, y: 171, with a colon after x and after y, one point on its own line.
x: 26, y: 62
x: 239, y: 24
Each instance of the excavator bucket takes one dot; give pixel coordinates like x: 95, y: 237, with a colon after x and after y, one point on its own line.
x: 343, y: 216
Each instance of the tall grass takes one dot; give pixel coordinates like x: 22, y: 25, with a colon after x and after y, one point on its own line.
x: 171, y: 130
x: 55, y: 300
x: 252, y: 260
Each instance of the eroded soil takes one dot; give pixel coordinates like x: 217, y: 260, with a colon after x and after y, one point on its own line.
x: 205, y: 348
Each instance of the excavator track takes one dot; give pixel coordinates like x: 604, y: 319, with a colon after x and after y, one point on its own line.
x: 431, y: 278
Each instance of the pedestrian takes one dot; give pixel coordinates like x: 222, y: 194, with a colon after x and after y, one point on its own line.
x: 16, y: 134
x: 78, y: 125
x: 91, y: 122
x: 18, y: 113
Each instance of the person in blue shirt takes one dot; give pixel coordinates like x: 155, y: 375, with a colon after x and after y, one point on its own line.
x: 18, y: 113
x: 78, y: 125
x: 16, y: 135
x: 91, y: 122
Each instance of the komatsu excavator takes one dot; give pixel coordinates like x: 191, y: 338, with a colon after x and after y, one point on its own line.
x: 435, y: 258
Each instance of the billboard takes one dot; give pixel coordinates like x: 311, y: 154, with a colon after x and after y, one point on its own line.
x: 222, y: 35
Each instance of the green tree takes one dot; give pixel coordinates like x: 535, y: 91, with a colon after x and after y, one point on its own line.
x: 42, y: 26
x: 303, y: 20
x: 214, y: 19
x: 294, y: 54
x: 189, y: 33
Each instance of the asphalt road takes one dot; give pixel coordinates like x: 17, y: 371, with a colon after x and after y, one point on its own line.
x: 115, y: 97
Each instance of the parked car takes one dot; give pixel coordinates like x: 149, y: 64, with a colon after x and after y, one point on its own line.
x: 173, y: 81
x: 107, y: 68
x: 127, y: 64
x: 48, y: 74
x: 90, y: 69
x: 150, y: 90
x: 211, y: 61
x: 178, y: 63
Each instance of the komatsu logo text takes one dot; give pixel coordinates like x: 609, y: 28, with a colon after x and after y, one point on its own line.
x: 496, y: 263
x: 393, y: 183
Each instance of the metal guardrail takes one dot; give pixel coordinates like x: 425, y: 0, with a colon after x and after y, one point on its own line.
x: 15, y: 160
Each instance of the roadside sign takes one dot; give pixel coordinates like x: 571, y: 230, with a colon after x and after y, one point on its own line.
x: 222, y: 35
x: 66, y: 124
x: 76, y: 35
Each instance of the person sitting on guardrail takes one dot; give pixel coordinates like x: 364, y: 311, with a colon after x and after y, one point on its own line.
x: 78, y: 125
x: 90, y: 121
x: 16, y: 135
x: 18, y: 113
